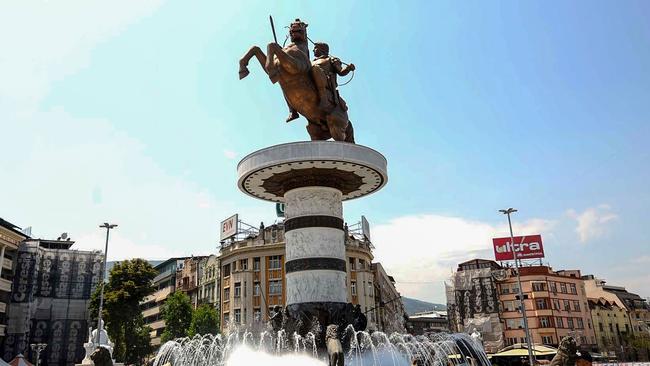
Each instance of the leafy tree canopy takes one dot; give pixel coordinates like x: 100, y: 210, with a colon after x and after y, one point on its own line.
x: 177, y: 313
x: 205, y: 320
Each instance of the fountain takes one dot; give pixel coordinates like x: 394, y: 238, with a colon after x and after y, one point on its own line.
x: 317, y: 326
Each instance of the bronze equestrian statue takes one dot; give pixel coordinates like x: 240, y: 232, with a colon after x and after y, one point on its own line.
x: 309, y: 90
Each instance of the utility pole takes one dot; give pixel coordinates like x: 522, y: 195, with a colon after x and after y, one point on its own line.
x: 529, y: 342
x: 108, y: 228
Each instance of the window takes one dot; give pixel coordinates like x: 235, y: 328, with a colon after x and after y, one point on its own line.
x: 256, y: 264
x: 257, y: 315
x: 627, y: 329
x: 244, y: 315
x: 226, y: 294
x: 226, y: 318
x: 505, y: 289
x: 563, y: 288
x: 237, y: 290
x: 539, y: 286
x: 569, y: 323
x: 611, y: 328
x: 556, y: 304
x: 547, y: 339
x: 274, y: 262
x: 541, y: 304
x: 353, y: 288
x: 580, y: 324
x: 362, y: 265
x: 237, y: 316
x: 559, y: 322
x: 257, y: 290
x: 573, y: 288
x: 243, y: 264
x: 544, y: 322
x: 553, y: 287
x: 567, y: 305
x: 514, y: 323
x: 226, y: 270
x: 370, y: 289
x: 576, y: 305
x: 275, y: 287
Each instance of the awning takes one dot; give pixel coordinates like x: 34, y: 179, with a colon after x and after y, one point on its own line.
x: 20, y: 361
x: 521, y: 350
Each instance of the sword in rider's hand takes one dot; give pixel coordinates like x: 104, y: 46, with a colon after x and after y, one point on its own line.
x: 275, y: 38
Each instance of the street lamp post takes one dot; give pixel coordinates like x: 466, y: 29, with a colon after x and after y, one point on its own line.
x: 108, y: 228
x: 521, y: 292
x: 38, y: 348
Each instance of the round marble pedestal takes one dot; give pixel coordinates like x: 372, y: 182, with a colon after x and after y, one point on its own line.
x: 313, y: 179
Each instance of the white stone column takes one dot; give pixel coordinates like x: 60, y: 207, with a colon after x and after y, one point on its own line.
x: 315, y: 249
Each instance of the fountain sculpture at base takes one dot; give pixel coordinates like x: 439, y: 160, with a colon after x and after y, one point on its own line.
x: 92, y: 348
x: 334, y: 347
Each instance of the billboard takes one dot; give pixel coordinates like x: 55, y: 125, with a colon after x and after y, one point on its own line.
x: 365, y: 228
x: 229, y: 227
x: 527, y: 247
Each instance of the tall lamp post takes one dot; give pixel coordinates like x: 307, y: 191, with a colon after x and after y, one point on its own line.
x: 108, y: 228
x: 521, y: 292
x: 38, y: 348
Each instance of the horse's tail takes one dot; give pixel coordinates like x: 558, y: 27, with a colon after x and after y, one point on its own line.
x: 349, y: 133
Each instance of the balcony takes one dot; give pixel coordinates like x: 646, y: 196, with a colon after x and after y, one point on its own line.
x: 5, y: 285
x: 7, y: 263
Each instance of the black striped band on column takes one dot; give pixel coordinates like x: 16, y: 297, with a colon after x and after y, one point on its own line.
x: 313, y: 221
x: 310, y: 264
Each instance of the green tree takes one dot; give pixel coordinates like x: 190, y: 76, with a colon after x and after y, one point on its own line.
x: 177, y: 313
x: 128, y: 283
x: 205, y: 320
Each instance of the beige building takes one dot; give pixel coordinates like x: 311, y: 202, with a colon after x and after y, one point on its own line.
x: 611, y: 323
x: 10, y: 239
x: 187, y: 278
x: 638, y: 311
x: 209, y: 281
x: 253, y: 278
x: 389, y: 308
x: 556, y: 306
x: 165, y: 284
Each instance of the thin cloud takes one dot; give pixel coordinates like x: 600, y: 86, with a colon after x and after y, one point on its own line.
x: 592, y: 223
x: 229, y: 154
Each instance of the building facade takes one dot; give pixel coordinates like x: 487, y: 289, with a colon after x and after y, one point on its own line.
x: 390, y: 312
x: 50, y: 299
x: 10, y: 239
x: 473, y: 301
x: 165, y: 285
x: 187, y: 278
x: 427, y: 322
x: 556, y: 307
x: 611, y: 323
x: 209, y: 281
x: 253, y: 279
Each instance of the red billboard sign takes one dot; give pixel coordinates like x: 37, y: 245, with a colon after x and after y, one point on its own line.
x: 527, y: 247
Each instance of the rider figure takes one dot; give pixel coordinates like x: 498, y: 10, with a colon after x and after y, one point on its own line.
x: 324, y: 70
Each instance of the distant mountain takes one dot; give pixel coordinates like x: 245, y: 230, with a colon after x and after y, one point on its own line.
x: 413, y: 306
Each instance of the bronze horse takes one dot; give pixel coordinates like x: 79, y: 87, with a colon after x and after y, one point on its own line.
x: 291, y: 67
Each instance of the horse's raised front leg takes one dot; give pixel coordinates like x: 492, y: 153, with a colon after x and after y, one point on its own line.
x: 243, y: 62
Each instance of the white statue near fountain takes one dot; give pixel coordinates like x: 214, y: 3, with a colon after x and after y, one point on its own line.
x: 92, y: 344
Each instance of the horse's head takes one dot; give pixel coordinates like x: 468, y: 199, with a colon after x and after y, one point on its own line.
x: 298, y: 31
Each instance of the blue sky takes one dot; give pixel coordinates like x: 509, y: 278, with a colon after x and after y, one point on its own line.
x: 133, y: 112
